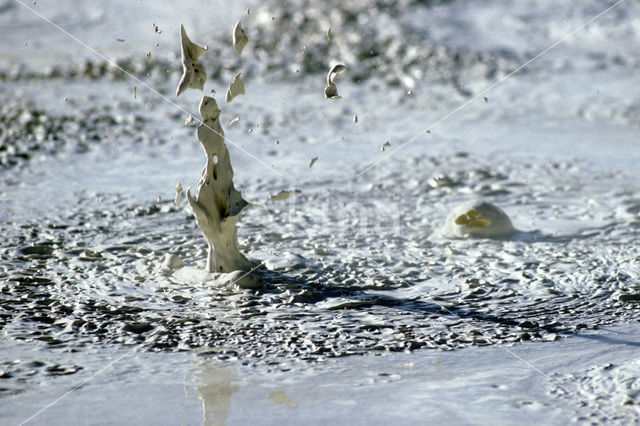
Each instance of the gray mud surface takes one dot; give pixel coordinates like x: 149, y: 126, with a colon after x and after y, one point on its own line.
x: 95, y: 275
x: 352, y: 265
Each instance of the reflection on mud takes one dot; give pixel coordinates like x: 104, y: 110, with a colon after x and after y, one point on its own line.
x: 214, y: 383
x: 281, y: 397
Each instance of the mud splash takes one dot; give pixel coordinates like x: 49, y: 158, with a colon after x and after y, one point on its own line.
x: 96, y: 275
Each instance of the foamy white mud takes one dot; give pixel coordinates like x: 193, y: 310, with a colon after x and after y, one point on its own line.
x: 354, y: 260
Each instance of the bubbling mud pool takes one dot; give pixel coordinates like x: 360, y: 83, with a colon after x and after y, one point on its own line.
x: 352, y: 263
x: 348, y: 271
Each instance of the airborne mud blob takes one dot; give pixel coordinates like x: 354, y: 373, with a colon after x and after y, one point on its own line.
x: 331, y: 91
x: 193, y: 73
x: 236, y: 88
x: 240, y: 39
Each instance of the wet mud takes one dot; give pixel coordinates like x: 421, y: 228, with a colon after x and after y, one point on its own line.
x: 350, y: 265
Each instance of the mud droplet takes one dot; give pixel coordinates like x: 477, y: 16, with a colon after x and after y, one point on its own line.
x: 178, y: 190
x: 486, y: 100
x: 148, y: 56
x: 193, y: 73
x: 313, y: 161
x: 331, y: 91
x: 283, y: 195
x: 355, y: 118
x: 236, y: 88
x: 240, y: 38
x: 385, y: 145
x: 190, y: 121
